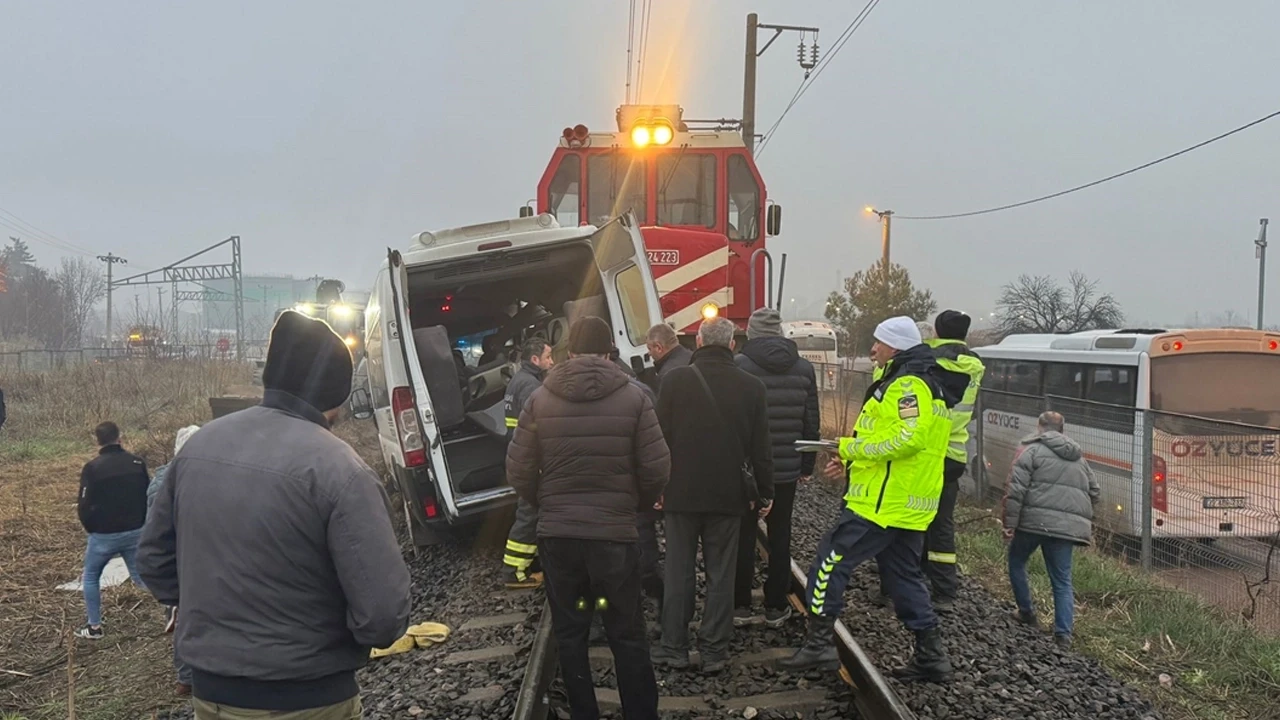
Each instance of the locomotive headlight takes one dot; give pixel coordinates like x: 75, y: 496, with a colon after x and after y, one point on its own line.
x: 662, y: 134
x: 349, y: 340
x: 640, y: 136
x: 710, y: 311
x: 342, y: 311
x: 304, y: 308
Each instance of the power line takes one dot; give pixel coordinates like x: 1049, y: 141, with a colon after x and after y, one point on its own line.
x: 32, y: 232
x: 805, y: 85
x: 646, y: 14
x: 1087, y: 185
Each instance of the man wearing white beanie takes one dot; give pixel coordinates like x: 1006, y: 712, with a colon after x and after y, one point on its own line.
x: 894, y: 462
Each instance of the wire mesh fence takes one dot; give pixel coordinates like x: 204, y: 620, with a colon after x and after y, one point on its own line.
x: 1194, y: 501
x: 44, y: 360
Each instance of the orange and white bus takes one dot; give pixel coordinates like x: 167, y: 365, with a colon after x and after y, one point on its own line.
x: 1212, y: 397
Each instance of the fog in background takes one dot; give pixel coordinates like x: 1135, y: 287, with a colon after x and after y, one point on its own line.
x: 324, y: 132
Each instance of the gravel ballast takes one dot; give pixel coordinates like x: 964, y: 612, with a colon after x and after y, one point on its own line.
x: 1003, y: 669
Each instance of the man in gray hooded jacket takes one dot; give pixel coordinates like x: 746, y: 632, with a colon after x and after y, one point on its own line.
x: 1048, y: 505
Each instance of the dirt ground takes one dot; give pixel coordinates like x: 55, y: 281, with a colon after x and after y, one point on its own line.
x: 126, y: 675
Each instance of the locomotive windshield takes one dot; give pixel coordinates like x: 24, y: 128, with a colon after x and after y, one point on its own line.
x: 616, y: 184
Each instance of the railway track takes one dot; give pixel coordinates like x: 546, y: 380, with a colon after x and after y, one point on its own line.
x: 812, y: 694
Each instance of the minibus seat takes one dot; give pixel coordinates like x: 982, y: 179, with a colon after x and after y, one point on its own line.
x: 435, y: 358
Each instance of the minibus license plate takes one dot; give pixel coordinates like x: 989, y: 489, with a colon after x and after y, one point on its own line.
x: 1224, y: 503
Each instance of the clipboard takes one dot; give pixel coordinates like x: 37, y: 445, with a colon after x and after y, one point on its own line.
x: 816, y: 446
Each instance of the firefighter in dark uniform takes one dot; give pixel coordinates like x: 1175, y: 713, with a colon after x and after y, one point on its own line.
x: 522, y: 547
x: 894, y: 463
x: 961, y: 375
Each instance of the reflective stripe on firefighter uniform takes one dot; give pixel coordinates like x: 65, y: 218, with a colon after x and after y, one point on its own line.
x: 956, y: 357
x: 522, y: 539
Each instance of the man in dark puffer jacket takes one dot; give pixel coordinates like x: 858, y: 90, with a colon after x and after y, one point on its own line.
x: 792, y: 393
x: 588, y: 453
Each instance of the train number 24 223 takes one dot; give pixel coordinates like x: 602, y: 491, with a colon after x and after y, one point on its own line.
x: 663, y: 257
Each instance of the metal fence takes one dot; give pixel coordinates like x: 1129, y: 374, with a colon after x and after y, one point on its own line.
x: 43, y: 360
x: 1192, y: 500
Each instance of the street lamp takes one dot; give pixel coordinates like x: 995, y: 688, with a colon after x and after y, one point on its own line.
x: 886, y: 217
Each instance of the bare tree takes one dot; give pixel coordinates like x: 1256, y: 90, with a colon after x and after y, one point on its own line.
x: 82, y: 286
x: 1040, y: 304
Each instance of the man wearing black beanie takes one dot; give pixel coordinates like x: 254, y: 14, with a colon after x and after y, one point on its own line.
x: 961, y: 375
x: 273, y: 536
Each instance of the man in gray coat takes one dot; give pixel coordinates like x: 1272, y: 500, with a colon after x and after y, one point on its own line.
x: 1048, y: 505
x: 273, y: 536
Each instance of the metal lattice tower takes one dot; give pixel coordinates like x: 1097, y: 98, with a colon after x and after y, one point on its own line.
x: 178, y: 272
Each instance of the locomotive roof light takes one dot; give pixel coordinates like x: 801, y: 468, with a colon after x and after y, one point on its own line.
x: 710, y: 311
x: 640, y: 136
x: 657, y: 131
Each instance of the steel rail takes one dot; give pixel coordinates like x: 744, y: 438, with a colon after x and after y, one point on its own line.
x: 872, y: 696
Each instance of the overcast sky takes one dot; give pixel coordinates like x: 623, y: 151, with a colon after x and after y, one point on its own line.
x: 321, y: 132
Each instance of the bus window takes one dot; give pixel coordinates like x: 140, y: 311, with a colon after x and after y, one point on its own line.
x: 687, y: 189
x: 1024, y: 377
x: 1063, y: 380
x: 1112, y: 385
x: 565, y: 190
x: 744, y: 201
x: 616, y: 183
x: 1211, y: 385
x: 996, y: 377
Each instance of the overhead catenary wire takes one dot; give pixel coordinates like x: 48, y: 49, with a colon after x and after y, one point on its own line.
x: 849, y: 30
x: 1095, y: 183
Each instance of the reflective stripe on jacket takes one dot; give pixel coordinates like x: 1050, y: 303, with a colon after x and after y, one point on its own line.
x: 896, y: 455
x: 527, y: 379
x: 955, y: 359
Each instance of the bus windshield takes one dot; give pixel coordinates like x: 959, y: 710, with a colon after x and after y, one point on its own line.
x: 1237, y: 387
x: 815, y: 344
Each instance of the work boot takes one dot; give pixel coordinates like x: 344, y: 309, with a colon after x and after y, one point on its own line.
x: 1027, y: 617
x: 818, y: 650
x: 930, y: 662
x: 514, y: 580
x: 944, y: 605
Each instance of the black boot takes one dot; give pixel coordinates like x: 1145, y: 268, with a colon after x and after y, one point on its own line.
x: 930, y: 662
x: 819, y: 650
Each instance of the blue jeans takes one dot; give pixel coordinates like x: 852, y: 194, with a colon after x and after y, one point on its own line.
x: 1057, y: 558
x: 97, y: 553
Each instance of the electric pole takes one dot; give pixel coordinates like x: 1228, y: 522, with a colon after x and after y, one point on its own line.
x: 886, y: 221
x: 749, y: 69
x: 110, y: 260
x: 1261, y: 252
x: 160, y: 317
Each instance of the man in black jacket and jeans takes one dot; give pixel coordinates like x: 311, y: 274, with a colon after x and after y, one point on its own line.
x: 792, y: 392
x: 587, y: 453
x: 113, y: 508
x: 714, y: 417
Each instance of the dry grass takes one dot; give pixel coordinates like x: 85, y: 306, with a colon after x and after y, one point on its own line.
x: 44, y: 444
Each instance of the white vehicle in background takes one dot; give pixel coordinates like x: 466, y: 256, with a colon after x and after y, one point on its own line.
x: 1213, y: 397
x: 441, y: 422
x: 816, y: 341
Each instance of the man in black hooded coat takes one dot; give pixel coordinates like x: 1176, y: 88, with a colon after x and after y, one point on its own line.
x: 792, y: 394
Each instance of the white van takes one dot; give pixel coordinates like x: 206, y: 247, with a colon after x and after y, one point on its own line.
x: 440, y: 415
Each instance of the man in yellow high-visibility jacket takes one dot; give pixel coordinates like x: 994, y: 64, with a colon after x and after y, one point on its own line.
x: 894, y: 464
x: 961, y: 375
